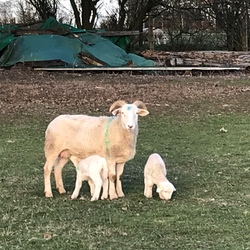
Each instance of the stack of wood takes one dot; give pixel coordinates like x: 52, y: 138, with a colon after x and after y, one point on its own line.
x: 200, y: 58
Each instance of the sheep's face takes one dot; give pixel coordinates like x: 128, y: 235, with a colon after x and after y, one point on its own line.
x: 129, y: 115
x: 165, y: 190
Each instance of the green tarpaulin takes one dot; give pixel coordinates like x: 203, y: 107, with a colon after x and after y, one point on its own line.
x: 68, y: 49
x: 5, y: 39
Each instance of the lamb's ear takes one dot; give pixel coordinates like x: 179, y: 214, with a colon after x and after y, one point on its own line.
x: 159, y: 189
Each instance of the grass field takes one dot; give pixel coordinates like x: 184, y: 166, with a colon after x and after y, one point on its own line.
x: 209, y: 168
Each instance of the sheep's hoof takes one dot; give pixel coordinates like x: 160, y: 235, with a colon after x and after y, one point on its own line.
x: 113, y: 196
x: 120, y: 195
x: 94, y: 199
x: 104, y: 197
x: 73, y: 197
x: 61, y: 191
x: 48, y: 194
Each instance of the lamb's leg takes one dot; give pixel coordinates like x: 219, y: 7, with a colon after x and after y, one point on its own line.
x: 145, y: 186
x: 78, y: 186
x: 58, y: 174
x: 92, y: 187
x: 112, y: 177
x: 98, y: 185
x: 105, y: 187
x: 148, y: 188
x: 119, y: 171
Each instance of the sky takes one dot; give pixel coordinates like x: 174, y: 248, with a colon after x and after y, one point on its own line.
x: 107, y: 6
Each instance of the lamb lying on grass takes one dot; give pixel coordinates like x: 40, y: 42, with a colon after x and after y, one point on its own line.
x: 93, y: 169
x: 155, y: 173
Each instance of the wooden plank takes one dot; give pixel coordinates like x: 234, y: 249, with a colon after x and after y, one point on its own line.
x: 22, y: 32
x: 143, y: 69
x: 119, y: 33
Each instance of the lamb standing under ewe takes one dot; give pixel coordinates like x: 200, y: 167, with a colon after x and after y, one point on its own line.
x: 113, y: 138
x: 155, y: 173
x: 93, y: 169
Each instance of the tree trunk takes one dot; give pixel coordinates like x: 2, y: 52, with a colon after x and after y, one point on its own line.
x: 76, y: 14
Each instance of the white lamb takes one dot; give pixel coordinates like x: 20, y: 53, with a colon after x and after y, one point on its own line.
x: 155, y: 174
x: 113, y: 138
x: 93, y: 169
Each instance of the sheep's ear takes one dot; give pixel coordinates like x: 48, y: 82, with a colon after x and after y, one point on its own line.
x: 142, y: 112
x: 159, y: 189
x: 116, y: 111
x: 116, y: 105
x: 140, y: 104
x: 142, y: 109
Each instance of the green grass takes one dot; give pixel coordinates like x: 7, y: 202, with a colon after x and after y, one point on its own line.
x: 209, y: 168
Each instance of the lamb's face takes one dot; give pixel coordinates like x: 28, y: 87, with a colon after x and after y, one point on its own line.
x: 165, y: 190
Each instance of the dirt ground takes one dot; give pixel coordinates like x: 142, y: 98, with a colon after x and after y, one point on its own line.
x: 60, y: 92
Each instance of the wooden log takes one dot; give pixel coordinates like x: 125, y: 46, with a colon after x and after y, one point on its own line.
x: 200, y: 58
x: 90, y: 60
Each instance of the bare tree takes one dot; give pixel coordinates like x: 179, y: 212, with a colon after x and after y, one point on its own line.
x: 138, y: 11
x: 131, y: 14
x: 85, y: 12
x: 231, y: 17
x: 25, y: 12
x: 6, y: 12
x: 110, y: 22
x: 45, y: 8
x: 122, y: 14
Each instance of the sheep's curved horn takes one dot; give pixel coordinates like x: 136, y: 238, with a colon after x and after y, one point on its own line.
x: 140, y: 105
x: 116, y: 105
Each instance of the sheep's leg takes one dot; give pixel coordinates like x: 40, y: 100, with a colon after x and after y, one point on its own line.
x: 58, y: 174
x: 78, y: 186
x: 74, y: 160
x: 112, y: 177
x: 47, y: 184
x: 119, y: 171
x: 98, y: 185
x: 48, y: 166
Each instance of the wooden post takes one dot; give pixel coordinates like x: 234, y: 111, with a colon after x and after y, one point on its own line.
x: 150, y: 33
x: 247, y: 23
x: 245, y: 32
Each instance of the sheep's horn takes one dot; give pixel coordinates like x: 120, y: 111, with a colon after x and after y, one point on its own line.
x: 116, y: 105
x: 140, y: 105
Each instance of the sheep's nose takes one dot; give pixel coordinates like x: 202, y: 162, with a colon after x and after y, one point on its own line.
x: 130, y: 126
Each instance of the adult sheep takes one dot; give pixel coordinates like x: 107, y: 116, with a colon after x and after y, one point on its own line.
x: 113, y: 138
